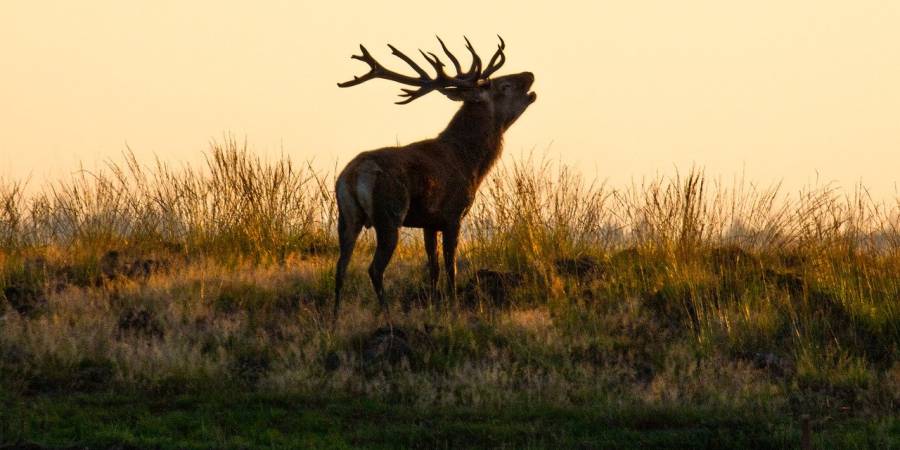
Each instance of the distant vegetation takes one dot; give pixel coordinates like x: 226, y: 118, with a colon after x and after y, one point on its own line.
x: 176, y: 307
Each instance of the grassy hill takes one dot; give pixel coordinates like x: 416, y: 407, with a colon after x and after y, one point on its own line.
x: 190, y: 308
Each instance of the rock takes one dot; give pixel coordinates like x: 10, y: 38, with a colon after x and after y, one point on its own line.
x: 789, y: 281
x: 139, y: 321
x: 25, y: 300
x: 36, y: 266
x: 143, y: 268
x: 771, y: 362
x: 386, y: 345
x: 110, y: 264
x: 113, y: 265
x: 491, y: 286
x: 332, y: 362
x: 579, y: 266
x: 249, y: 365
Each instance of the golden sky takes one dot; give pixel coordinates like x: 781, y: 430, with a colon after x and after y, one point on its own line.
x: 778, y: 89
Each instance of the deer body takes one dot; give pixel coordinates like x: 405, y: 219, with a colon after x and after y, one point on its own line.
x: 429, y: 184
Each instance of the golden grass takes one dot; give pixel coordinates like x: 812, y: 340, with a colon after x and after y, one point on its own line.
x: 667, y: 291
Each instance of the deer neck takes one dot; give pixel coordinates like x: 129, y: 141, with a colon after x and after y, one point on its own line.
x: 476, y: 138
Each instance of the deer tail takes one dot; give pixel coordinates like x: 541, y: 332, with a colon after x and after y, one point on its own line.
x: 356, y: 197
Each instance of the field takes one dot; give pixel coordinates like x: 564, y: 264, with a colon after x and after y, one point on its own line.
x: 152, y: 306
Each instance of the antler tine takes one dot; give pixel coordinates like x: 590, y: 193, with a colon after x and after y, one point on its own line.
x: 422, y: 73
x: 499, y: 58
x: 451, y: 56
x: 373, y: 67
x: 412, y: 94
x: 474, y: 71
x: 376, y: 70
x: 436, y: 63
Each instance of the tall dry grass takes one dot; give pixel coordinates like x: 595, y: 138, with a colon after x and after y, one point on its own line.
x: 236, y: 205
x: 532, y: 209
x: 644, y: 291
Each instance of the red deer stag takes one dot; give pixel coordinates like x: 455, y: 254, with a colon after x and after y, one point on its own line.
x: 429, y: 184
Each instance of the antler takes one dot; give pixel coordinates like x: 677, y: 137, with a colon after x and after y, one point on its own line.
x: 441, y: 82
x: 499, y: 59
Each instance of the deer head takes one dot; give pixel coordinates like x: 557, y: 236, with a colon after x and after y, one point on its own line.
x: 505, y: 97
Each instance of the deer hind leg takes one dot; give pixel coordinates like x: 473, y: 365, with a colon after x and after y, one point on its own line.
x: 390, y: 202
x: 431, y: 252
x: 348, y: 232
x: 350, y: 222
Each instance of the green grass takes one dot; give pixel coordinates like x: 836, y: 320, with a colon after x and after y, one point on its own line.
x: 279, y: 421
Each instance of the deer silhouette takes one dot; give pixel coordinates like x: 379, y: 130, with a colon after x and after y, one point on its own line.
x: 429, y: 184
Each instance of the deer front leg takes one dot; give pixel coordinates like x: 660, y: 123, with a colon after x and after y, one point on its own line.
x: 431, y: 251
x: 451, y: 237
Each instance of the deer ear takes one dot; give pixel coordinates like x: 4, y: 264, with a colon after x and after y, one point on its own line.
x: 478, y: 94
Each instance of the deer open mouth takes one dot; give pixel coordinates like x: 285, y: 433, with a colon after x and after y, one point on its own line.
x: 532, y: 97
